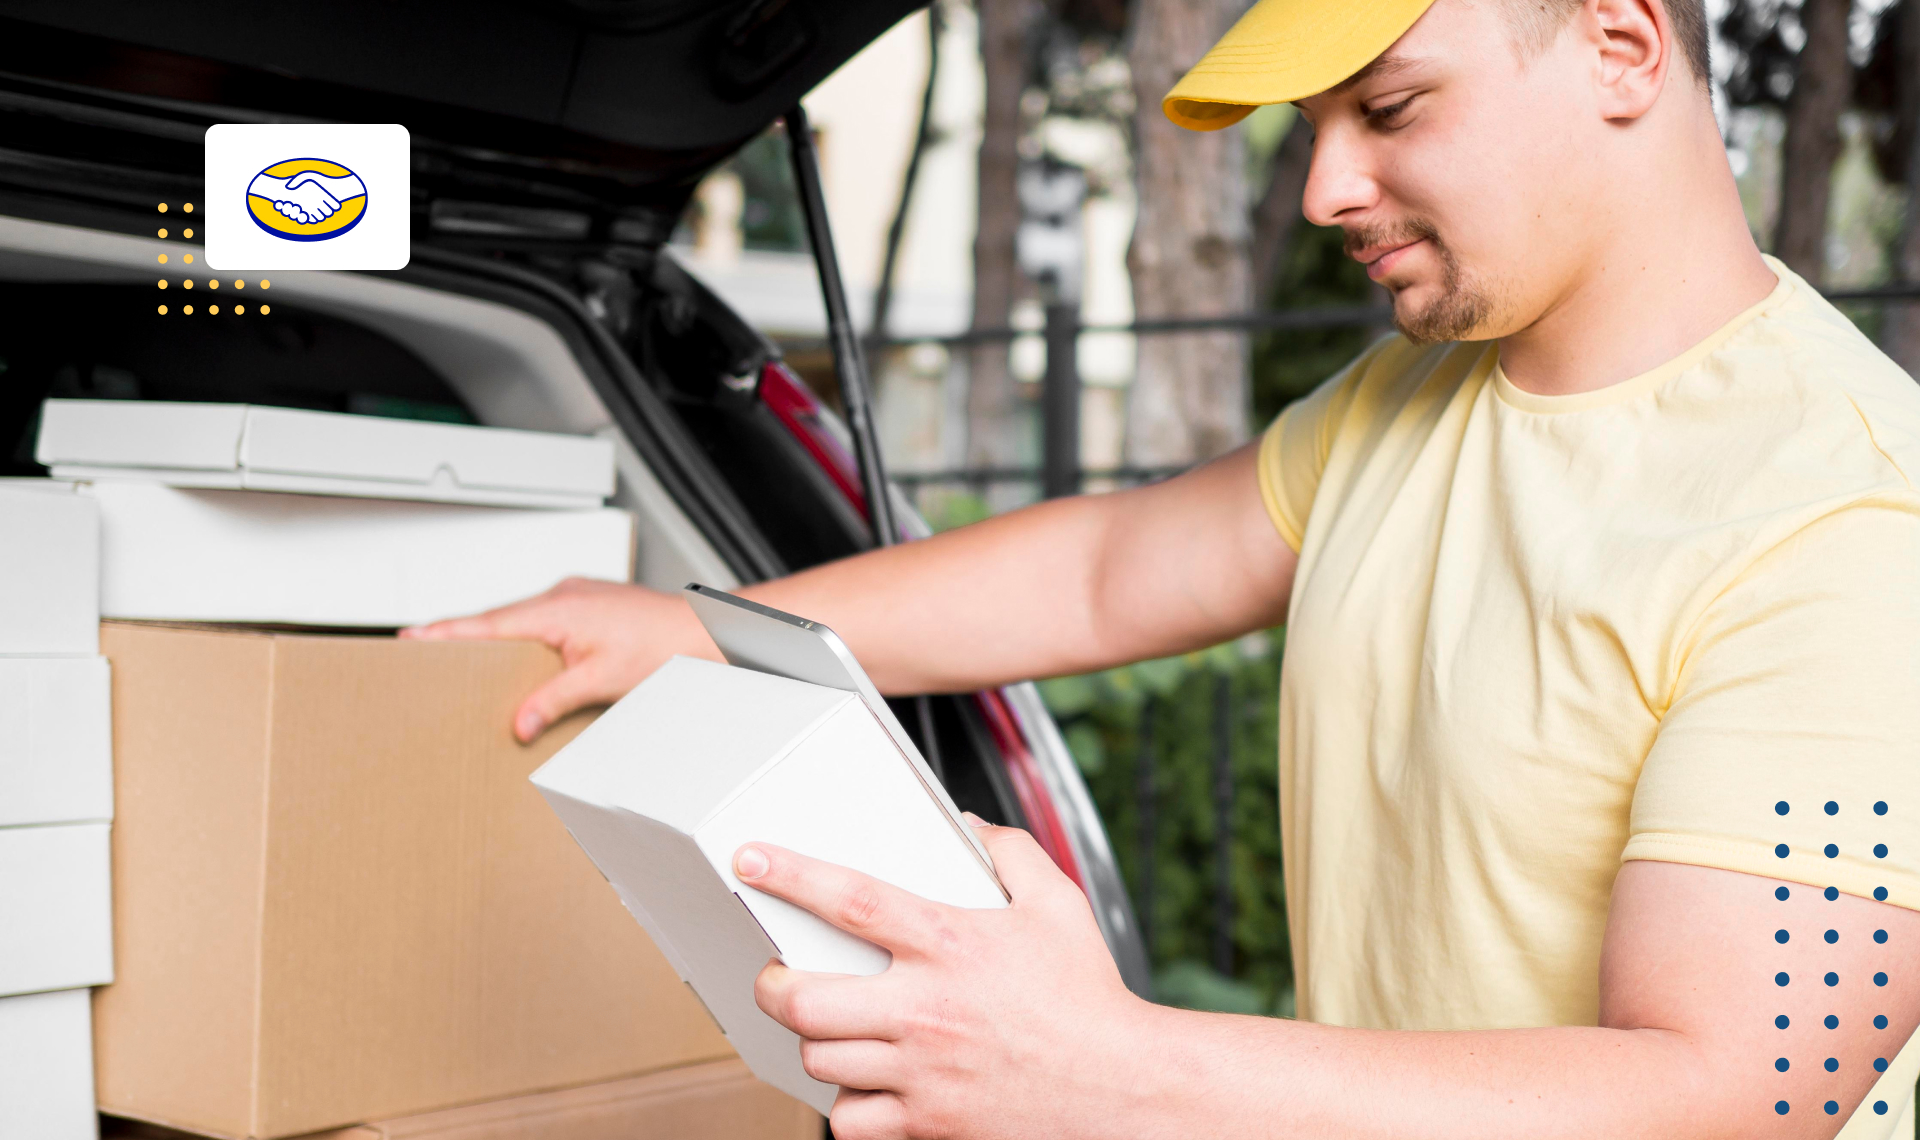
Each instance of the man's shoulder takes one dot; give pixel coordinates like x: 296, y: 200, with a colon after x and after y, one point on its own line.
x: 1395, y: 372
x: 1809, y: 369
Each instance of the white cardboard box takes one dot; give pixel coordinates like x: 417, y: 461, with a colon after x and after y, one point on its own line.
x: 177, y: 554
x: 244, y: 447
x: 58, y: 928
x: 46, y: 1067
x: 701, y: 758
x: 49, y: 571
x: 56, y: 741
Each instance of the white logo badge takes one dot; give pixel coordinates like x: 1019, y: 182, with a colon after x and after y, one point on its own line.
x: 307, y: 196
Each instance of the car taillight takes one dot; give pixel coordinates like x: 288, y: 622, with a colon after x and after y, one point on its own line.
x: 1023, y: 772
x: 790, y: 401
x: 797, y: 409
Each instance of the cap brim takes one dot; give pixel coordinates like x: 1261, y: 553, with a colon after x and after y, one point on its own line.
x: 1283, y: 50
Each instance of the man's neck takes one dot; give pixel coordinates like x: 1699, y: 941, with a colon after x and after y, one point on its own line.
x: 1678, y: 262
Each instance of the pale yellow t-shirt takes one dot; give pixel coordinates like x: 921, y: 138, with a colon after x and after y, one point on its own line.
x: 1533, y: 636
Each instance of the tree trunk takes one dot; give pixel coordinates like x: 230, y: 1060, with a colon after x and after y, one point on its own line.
x: 1901, y: 332
x: 1277, y: 217
x: 1190, y: 248
x: 993, y: 429
x: 1822, y: 81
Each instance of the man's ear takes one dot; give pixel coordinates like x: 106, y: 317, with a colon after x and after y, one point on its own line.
x: 1636, y: 51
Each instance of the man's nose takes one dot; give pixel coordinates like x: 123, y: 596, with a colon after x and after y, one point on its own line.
x: 1339, y: 179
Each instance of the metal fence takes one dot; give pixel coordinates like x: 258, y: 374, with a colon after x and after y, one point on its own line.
x: 1060, y: 472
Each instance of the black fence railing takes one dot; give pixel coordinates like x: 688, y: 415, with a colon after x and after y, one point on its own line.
x: 1060, y: 472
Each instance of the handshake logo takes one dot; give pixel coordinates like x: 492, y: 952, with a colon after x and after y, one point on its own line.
x: 345, y: 205
x: 307, y: 199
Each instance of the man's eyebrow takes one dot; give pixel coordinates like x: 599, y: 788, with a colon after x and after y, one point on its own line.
x: 1383, y: 65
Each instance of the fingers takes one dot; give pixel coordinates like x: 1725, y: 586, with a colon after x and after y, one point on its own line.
x: 861, y: 1115
x: 1024, y: 868
x: 825, y: 1007
x: 575, y: 688
x: 858, y: 904
x: 854, y: 1064
x: 530, y: 620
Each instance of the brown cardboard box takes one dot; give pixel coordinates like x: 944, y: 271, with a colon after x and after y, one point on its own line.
x: 338, y: 899
x: 719, y: 1100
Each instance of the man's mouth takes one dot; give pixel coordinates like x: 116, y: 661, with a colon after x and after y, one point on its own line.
x: 1381, y: 260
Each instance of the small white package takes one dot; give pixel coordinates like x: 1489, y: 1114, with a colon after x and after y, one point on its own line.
x: 701, y: 758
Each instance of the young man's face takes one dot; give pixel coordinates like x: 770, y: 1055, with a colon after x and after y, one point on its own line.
x: 1462, y: 174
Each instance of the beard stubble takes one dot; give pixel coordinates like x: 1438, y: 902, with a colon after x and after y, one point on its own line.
x: 1462, y: 305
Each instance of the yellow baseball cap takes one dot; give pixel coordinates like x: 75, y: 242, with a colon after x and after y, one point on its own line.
x: 1283, y: 50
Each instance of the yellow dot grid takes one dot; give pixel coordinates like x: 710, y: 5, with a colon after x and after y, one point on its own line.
x: 239, y: 310
x: 212, y: 283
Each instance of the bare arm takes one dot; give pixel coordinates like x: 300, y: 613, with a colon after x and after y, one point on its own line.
x: 1066, y: 586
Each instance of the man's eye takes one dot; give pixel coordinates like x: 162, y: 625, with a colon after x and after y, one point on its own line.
x: 1388, y: 115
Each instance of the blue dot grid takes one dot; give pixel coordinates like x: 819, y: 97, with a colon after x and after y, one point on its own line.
x: 1832, y: 936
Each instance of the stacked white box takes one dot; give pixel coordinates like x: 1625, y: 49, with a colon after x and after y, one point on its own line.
x: 49, y: 571
x: 56, y: 804
x: 46, y: 1067
x: 238, y: 513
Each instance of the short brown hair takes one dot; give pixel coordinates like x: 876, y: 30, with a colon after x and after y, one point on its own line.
x: 1538, y: 21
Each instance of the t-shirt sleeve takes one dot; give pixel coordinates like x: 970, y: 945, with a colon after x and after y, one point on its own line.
x: 1293, y: 451
x: 1791, y: 748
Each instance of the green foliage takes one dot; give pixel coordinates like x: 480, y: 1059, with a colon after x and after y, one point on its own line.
x: 945, y: 510
x: 1164, y: 711
x: 1288, y: 363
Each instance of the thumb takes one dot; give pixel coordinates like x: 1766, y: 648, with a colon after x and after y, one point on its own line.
x: 1024, y: 868
x: 573, y: 689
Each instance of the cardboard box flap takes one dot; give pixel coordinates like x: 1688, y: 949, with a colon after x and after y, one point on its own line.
x: 263, y: 448
x: 141, y: 433
x: 660, y: 753
x: 293, y: 442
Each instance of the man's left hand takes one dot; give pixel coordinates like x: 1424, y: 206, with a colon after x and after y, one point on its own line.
x: 988, y: 1022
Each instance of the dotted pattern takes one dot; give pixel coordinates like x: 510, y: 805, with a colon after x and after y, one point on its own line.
x: 1830, y: 937
x: 186, y: 234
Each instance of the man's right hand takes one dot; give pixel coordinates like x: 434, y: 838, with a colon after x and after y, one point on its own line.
x: 610, y: 635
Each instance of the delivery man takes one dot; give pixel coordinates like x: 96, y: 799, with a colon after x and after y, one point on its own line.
x: 1600, y: 717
